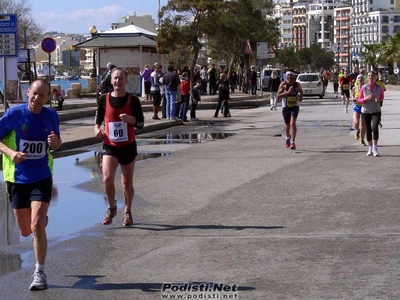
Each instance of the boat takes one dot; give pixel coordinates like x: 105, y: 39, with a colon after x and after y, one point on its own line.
x: 43, y: 70
x: 57, y: 78
x: 72, y: 77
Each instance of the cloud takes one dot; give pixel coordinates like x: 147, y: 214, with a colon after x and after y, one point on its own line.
x: 78, y: 21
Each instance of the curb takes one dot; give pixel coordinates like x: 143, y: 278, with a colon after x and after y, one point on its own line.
x: 93, y: 140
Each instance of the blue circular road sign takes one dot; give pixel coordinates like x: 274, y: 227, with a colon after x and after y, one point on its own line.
x: 48, y: 44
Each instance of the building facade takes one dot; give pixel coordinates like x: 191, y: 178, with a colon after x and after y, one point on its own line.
x: 340, y: 26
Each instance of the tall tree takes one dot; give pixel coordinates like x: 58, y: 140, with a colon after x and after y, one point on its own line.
x: 184, y: 23
x: 225, y: 24
x: 288, y: 58
x: 372, y: 54
x: 242, y: 20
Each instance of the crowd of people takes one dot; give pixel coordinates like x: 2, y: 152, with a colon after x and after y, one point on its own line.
x: 174, y: 92
x: 366, y: 90
x: 29, y: 131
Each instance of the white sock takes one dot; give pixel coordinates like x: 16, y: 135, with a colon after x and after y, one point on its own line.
x: 370, y: 147
x: 39, y: 268
x: 375, y: 147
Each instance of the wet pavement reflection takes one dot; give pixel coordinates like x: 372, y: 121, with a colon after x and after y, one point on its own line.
x: 172, y: 138
x: 74, y: 208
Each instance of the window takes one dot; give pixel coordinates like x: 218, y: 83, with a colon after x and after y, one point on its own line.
x: 396, y: 28
x: 308, y: 77
x: 396, y: 19
x: 385, y: 29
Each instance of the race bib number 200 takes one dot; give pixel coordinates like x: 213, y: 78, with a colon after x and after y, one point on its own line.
x: 32, y: 149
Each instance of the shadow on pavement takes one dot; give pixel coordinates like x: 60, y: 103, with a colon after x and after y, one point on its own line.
x: 165, y: 227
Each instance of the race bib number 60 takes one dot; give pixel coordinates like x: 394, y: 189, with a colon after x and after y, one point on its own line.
x: 118, y: 131
x: 33, y: 149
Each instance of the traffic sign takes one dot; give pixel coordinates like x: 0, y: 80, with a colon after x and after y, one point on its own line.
x: 48, y: 44
x: 248, y: 49
x: 264, y: 51
x: 8, y: 36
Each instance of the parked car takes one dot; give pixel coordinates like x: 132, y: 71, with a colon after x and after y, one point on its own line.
x: 311, y: 83
x: 267, y: 75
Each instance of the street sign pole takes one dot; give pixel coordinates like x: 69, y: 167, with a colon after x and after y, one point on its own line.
x: 49, y: 79
x: 49, y: 45
x: 8, y: 46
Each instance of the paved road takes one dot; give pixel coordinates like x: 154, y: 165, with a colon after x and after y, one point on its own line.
x: 321, y: 222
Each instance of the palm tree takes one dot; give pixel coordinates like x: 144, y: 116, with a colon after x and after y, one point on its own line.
x: 372, y: 55
x: 390, y: 51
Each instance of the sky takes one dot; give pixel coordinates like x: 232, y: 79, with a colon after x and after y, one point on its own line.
x: 77, y: 16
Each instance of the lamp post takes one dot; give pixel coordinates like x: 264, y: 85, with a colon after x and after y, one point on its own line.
x: 93, y: 32
x: 323, y: 25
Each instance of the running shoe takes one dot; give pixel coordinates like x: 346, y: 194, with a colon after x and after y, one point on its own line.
x: 110, y: 214
x: 287, y: 142
x: 128, y: 221
x: 39, y: 282
x: 375, y: 151
x: 362, y: 143
x: 293, y: 146
x: 357, y: 135
x: 369, y: 153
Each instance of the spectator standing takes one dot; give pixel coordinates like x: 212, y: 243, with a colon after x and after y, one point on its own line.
x: 204, y: 80
x: 171, y: 82
x: 162, y: 92
x: 223, y: 96
x: 196, y: 74
x: 146, y: 75
x: 233, y: 81
x: 195, y: 95
x: 155, y: 91
x: 105, y: 84
x: 110, y: 66
x: 212, y: 79
x: 253, y: 80
x: 273, y: 87
x: 185, y: 92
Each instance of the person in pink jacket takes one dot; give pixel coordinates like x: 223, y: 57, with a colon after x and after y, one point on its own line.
x: 371, y: 95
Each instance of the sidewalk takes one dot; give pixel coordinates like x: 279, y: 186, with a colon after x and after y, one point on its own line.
x: 77, y: 129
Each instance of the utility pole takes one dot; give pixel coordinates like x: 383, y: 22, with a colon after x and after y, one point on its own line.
x: 159, y: 10
x: 323, y: 25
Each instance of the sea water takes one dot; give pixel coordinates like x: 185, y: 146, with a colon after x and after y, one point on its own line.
x: 66, y: 84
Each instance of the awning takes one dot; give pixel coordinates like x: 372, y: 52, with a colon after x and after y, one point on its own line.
x: 117, y: 42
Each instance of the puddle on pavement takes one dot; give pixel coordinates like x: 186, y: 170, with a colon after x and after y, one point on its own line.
x: 72, y: 209
x: 171, y: 138
x: 71, y: 206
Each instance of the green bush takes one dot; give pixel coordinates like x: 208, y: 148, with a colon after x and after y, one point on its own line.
x: 393, y: 79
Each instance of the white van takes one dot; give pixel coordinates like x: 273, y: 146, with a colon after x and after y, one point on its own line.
x: 266, y: 75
